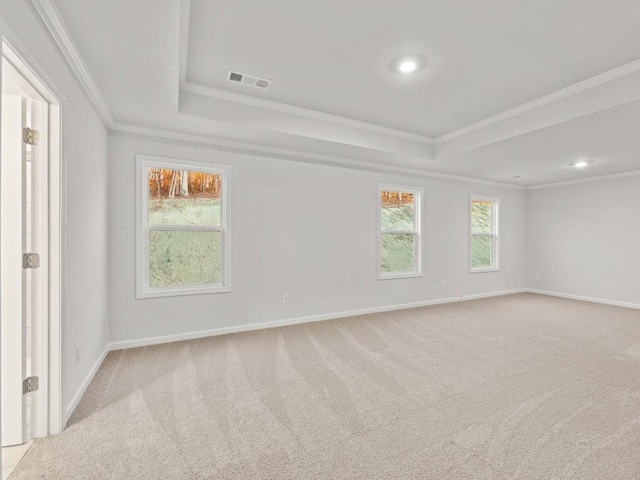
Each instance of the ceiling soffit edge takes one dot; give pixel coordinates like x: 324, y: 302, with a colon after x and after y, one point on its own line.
x: 545, y: 100
x: 597, y: 178
x: 290, y: 154
x: 302, y: 112
x: 183, y: 50
x: 574, y: 89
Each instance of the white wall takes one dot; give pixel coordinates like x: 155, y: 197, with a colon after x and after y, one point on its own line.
x: 584, y: 239
x: 85, y: 143
x: 306, y: 230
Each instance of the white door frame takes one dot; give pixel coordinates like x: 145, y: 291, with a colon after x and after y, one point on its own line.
x: 48, y: 415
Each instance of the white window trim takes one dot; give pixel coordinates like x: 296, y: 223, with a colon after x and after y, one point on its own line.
x: 417, y: 244
x: 495, y: 232
x: 143, y: 290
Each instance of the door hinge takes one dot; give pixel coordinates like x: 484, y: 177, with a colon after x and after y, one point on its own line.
x: 30, y: 260
x: 29, y: 136
x: 30, y: 384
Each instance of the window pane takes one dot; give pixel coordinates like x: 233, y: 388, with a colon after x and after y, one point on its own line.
x: 397, y: 211
x: 397, y: 252
x: 481, y: 251
x: 481, y: 216
x: 183, y: 197
x: 183, y: 258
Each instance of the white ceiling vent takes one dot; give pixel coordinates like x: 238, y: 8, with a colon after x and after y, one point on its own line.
x: 248, y: 80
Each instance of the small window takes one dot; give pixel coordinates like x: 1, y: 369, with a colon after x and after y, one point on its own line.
x: 484, y: 234
x: 183, y: 228
x: 399, y: 236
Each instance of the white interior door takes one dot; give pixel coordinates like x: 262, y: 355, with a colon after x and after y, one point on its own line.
x: 14, y: 312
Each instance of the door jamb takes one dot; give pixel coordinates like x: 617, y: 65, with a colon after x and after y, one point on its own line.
x: 50, y: 420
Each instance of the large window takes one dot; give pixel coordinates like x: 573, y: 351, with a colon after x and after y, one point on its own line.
x: 484, y: 234
x: 182, y: 228
x: 399, y: 236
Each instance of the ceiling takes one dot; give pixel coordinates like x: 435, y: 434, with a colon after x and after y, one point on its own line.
x: 544, y: 155
x: 508, y: 88
x: 481, y: 57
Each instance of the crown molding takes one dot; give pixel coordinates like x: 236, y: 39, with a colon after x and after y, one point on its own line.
x: 51, y: 18
x: 296, y: 155
x: 597, y: 178
x: 582, y: 86
x: 301, y: 112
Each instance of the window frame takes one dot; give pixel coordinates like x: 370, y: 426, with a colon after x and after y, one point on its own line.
x: 143, y: 288
x: 495, y: 233
x: 418, y: 193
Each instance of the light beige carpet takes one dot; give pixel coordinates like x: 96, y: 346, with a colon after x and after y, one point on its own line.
x: 522, y: 386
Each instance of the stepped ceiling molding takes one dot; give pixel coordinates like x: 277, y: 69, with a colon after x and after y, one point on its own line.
x: 510, y: 93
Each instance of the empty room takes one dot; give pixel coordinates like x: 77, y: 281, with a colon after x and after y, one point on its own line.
x: 339, y: 239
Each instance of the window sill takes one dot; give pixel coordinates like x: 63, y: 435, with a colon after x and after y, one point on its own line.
x: 393, y: 276
x: 484, y: 270
x: 176, y: 292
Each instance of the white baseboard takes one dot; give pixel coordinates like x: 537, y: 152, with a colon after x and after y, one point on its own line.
x: 584, y: 299
x: 83, y: 387
x: 144, y: 342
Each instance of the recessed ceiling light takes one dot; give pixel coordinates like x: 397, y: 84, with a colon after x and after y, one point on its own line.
x: 408, y: 64
x: 580, y: 164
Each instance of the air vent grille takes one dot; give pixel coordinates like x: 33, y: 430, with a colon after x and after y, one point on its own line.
x: 248, y: 80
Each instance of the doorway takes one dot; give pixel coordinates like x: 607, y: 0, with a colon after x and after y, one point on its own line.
x: 30, y: 257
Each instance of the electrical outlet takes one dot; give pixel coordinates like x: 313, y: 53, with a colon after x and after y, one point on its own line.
x: 444, y: 283
x: 285, y: 299
x: 77, y: 353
